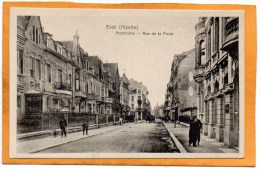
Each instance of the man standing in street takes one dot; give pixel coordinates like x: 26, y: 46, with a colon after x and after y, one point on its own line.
x: 63, y: 125
x: 85, y: 125
x: 194, y: 132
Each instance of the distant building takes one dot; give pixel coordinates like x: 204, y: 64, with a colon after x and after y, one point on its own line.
x: 139, y: 103
x: 124, y: 94
x: 181, y: 95
x: 217, y: 77
x: 158, y: 111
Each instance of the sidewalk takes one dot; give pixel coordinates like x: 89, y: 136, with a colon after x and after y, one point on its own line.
x: 33, y: 146
x: 207, y: 145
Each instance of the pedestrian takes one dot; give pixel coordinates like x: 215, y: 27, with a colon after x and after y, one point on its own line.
x: 85, y: 125
x: 120, y: 121
x: 194, y: 132
x: 63, y: 125
x: 198, y: 129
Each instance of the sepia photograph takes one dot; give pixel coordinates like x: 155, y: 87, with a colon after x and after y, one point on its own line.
x: 124, y: 83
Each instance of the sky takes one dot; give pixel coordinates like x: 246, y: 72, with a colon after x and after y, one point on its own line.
x: 145, y: 58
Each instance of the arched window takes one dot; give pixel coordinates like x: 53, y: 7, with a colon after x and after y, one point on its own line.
x: 202, y: 52
x: 35, y: 34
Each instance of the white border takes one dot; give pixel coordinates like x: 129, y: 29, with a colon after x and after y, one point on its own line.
x: 14, y: 12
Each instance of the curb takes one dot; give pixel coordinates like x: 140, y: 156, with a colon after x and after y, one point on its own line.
x: 184, y: 124
x: 58, y: 144
x: 49, y: 132
x: 176, y: 141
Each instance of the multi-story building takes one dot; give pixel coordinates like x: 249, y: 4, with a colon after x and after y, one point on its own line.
x: 181, y: 88
x: 138, y: 100
x: 79, y: 73
x: 31, y: 74
x: 100, y: 85
x: 114, y: 88
x: 44, y: 69
x: 124, y: 94
x: 217, y: 77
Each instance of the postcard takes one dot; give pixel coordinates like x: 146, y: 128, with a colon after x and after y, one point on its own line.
x: 166, y: 86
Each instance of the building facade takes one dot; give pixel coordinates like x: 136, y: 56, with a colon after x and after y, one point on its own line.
x: 217, y: 77
x: 114, y: 88
x: 138, y: 100
x: 182, y: 87
x: 124, y: 95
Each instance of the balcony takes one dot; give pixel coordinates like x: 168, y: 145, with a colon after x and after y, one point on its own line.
x: 109, y: 100
x: 20, y: 81
x: 62, y: 88
x: 198, y: 74
x: 79, y: 93
x: 231, y: 33
x: 91, y: 96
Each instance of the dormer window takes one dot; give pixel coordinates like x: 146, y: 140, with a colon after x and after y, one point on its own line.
x: 59, y: 49
x: 35, y: 34
x: 48, y: 41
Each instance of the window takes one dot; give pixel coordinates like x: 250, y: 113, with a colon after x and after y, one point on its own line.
x: 83, y: 86
x: 32, y: 67
x: 133, y: 98
x: 139, y: 97
x: 139, y: 91
x: 20, y: 61
x: 33, y: 104
x: 48, y: 41
x: 59, y: 49
x: 132, y: 106
x: 59, y: 76
x: 209, y: 45
x: 49, y: 73
x: 87, y: 87
x: 19, y: 101
x: 38, y: 69
x: 216, y: 37
x: 77, y: 80
x: 69, y: 79
x: 35, y: 34
x: 202, y: 52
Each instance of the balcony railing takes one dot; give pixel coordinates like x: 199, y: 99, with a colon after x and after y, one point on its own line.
x: 62, y: 86
x: 232, y: 25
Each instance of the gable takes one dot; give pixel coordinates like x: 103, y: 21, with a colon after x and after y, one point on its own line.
x: 33, y: 24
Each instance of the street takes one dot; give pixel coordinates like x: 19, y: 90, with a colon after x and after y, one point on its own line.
x: 132, y: 137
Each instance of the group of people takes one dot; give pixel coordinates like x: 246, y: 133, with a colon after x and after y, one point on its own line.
x: 194, y: 132
x: 85, y: 124
x: 63, y: 126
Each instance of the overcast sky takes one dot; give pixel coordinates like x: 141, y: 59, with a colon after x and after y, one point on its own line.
x: 145, y: 58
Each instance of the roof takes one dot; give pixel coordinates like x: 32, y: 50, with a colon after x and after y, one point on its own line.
x: 112, y: 68
x: 68, y: 45
x: 125, y: 79
x: 23, y: 21
x: 96, y: 63
x: 135, y: 85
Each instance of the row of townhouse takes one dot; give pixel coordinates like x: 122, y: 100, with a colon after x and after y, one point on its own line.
x: 215, y: 61
x: 59, y: 76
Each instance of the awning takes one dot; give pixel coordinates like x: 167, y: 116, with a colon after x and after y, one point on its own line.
x: 33, y: 92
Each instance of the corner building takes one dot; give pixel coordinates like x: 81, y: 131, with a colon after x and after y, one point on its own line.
x: 217, y: 77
